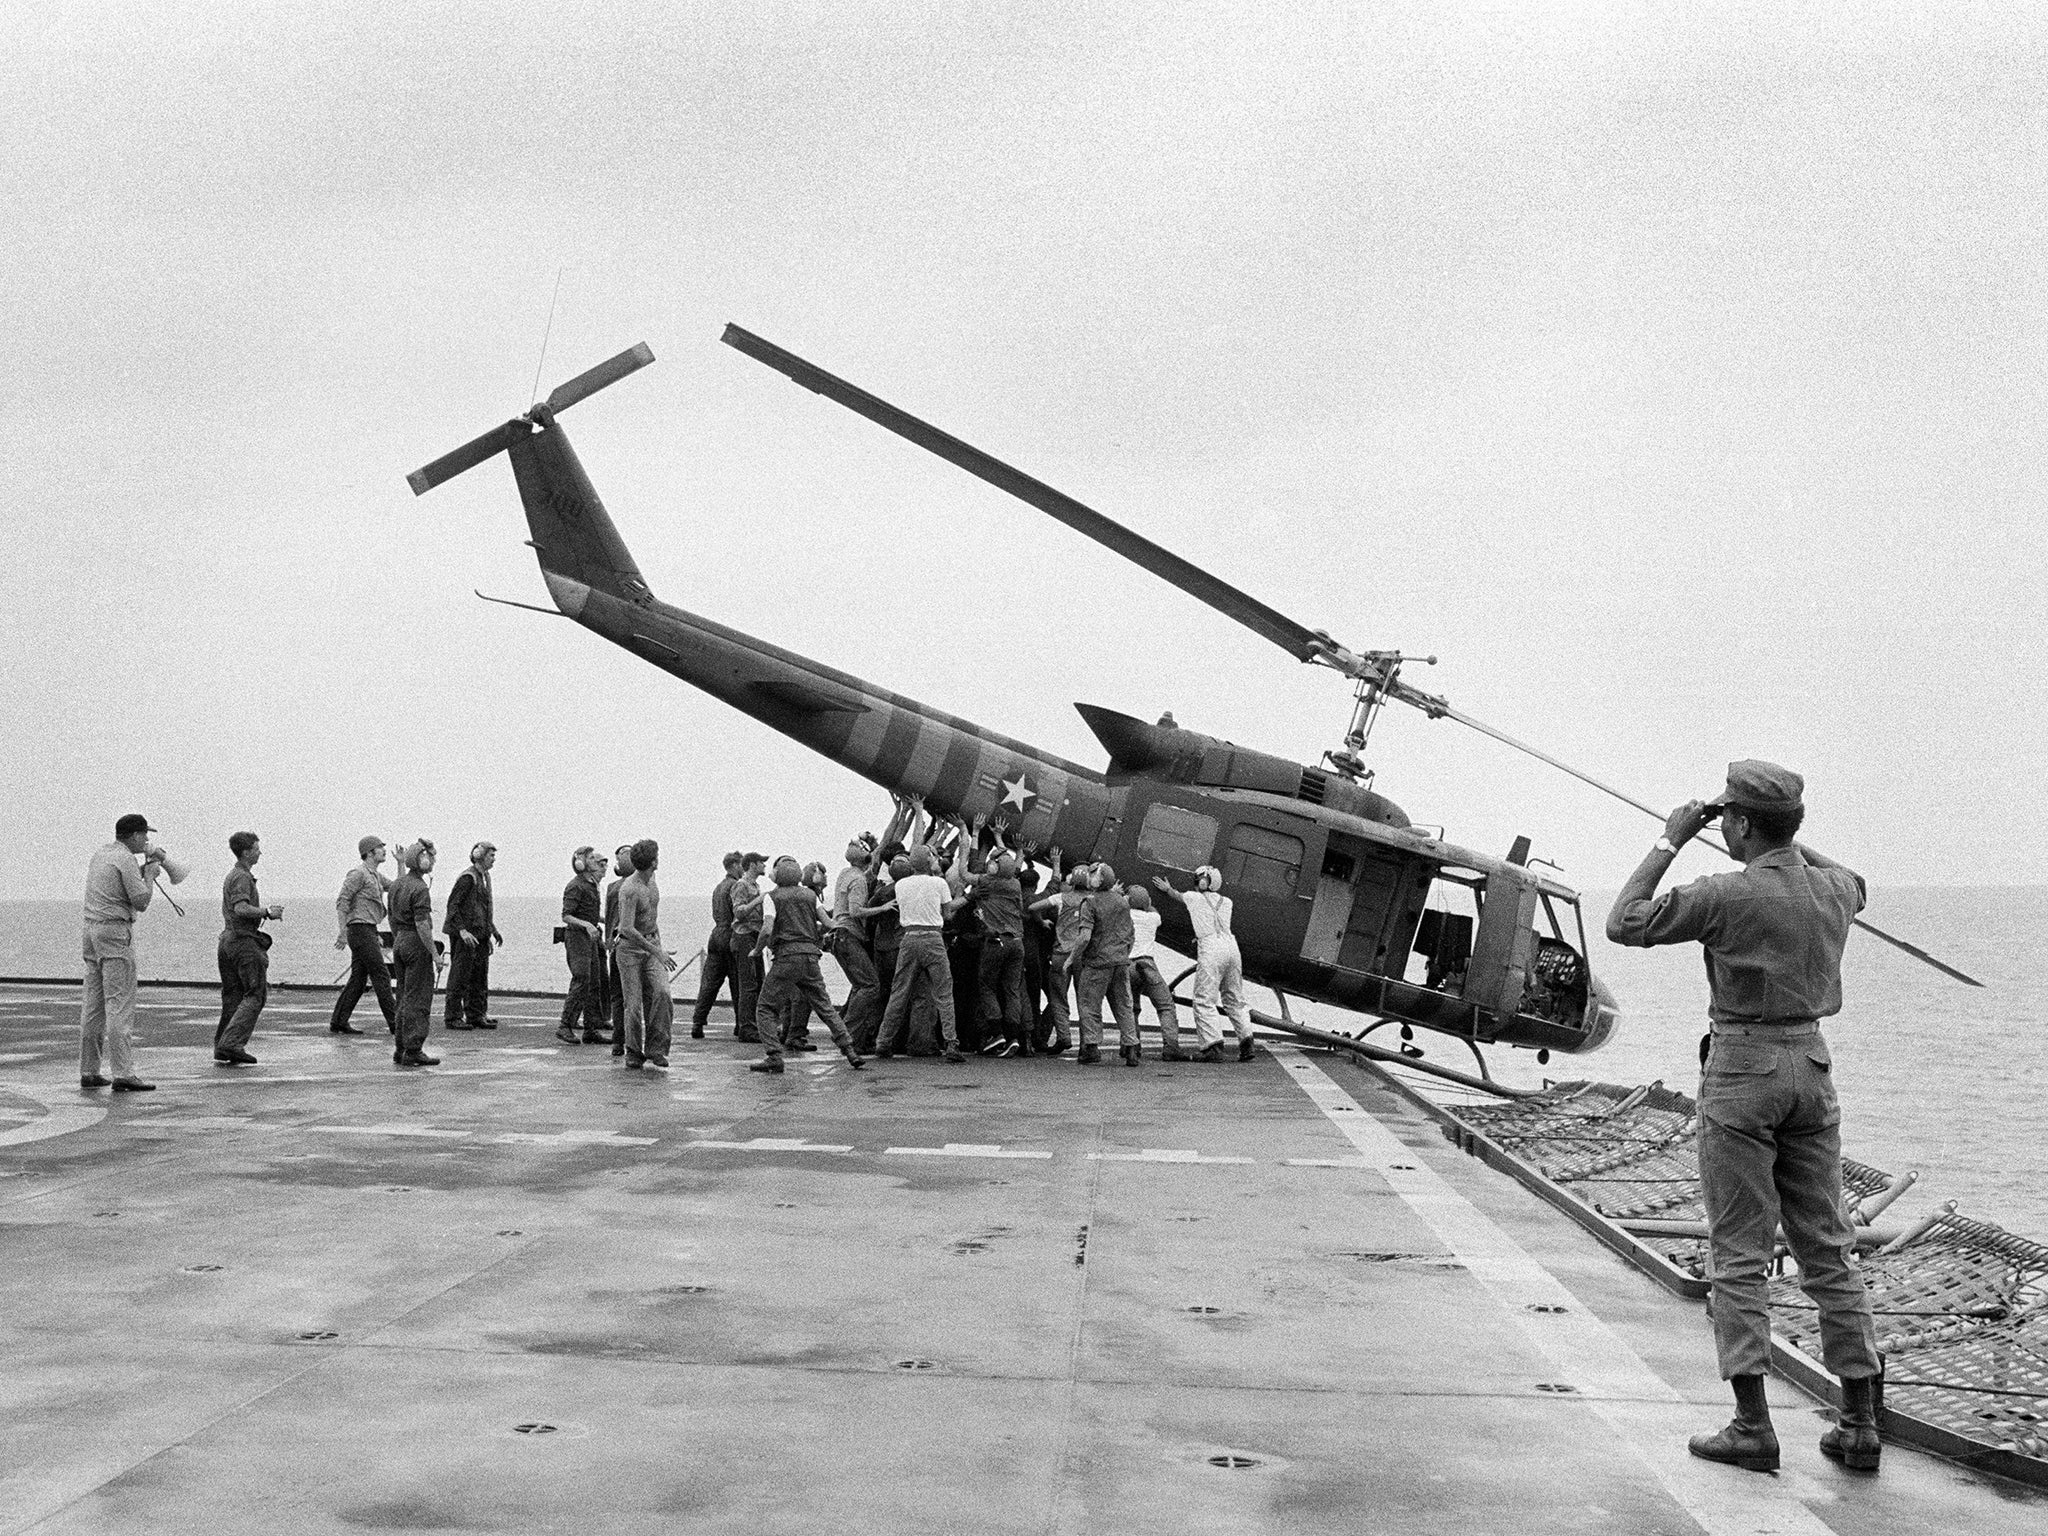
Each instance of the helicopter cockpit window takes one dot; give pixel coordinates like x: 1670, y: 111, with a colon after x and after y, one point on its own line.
x: 1176, y: 837
x: 1262, y: 862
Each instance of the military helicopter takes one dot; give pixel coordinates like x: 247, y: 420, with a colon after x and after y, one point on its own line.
x: 1339, y: 898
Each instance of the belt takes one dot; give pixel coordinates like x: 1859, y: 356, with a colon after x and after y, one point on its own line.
x: 1775, y: 1029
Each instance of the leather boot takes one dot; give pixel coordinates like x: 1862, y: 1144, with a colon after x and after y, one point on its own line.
x: 1748, y: 1442
x: 1853, y: 1441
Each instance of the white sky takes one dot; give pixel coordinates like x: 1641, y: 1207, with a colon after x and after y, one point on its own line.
x: 1675, y: 373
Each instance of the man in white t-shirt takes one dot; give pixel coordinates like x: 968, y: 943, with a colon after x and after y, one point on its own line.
x: 1147, y: 981
x: 1219, y: 966
x: 923, y: 900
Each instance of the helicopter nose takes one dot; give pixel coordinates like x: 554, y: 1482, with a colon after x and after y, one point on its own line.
x: 1603, y: 1017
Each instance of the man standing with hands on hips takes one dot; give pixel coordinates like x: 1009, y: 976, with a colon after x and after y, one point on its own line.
x: 1770, y: 1123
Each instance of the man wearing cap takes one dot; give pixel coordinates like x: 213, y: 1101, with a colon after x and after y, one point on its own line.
x: 118, y: 884
x: 471, y: 934
x: 359, y: 909
x: 243, y: 954
x: 1770, y: 1123
x: 718, y: 967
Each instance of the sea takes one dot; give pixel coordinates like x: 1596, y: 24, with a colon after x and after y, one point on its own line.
x: 1943, y: 1079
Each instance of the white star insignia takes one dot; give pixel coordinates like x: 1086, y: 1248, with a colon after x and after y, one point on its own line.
x: 1017, y: 791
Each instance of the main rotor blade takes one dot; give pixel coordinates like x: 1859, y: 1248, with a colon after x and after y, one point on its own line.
x: 588, y: 383
x: 1303, y: 643
x: 468, y: 456
x: 1649, y: 810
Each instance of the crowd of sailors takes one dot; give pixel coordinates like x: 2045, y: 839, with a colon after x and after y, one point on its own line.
x: 950, y: 941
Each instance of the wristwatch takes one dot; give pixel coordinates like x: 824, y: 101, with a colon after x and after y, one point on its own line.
x: 1666, y: 844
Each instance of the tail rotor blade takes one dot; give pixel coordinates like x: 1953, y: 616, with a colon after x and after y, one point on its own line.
x: 468, y: 456
x: 586, y: 384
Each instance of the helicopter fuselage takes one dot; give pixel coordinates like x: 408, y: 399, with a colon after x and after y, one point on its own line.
x: 1333, y: 888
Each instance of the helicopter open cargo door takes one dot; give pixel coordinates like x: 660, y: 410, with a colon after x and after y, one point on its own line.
x: 1501, y: 950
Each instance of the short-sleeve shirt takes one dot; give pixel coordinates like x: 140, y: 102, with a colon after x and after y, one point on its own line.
x: 240, y: 886
x: 849, y: 891
x: 747, y: 911
x: 412, y: 904
x: 114, y: 888
x: 1144, y: 935
x: 921, y: 900
x: 1772, y: 933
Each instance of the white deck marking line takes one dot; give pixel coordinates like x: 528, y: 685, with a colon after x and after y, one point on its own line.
x: 575, y: 1139
x: 385, y: 1130
x: 768, y: 1144
x: 961, y: 1149
x: 1646, y: 1413
x: 66, y: 1113
x: 1325, y: 1162
x: 1160, y: 1155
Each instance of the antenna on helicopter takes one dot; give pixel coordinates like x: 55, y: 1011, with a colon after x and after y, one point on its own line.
x: 1376, y: 675
x: 498, y: 439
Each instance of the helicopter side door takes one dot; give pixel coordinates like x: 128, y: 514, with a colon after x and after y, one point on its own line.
x: 1268, y: 863
x: 1367, y: 902
x: 1504, y: 945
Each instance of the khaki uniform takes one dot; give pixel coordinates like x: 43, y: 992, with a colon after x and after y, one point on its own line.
x: 1770, y: 1136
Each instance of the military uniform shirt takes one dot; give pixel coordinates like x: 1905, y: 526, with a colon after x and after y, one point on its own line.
x: 1772, y: 933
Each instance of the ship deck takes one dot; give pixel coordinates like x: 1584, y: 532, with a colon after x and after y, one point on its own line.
x: 530, y: 1291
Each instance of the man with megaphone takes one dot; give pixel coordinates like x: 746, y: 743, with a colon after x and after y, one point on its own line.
x: 118, y: 884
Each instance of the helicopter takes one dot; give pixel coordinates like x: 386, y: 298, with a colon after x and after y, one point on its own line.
x: 1339, y: 898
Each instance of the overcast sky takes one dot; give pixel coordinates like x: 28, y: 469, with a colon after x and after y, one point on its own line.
x: 1674, y: 373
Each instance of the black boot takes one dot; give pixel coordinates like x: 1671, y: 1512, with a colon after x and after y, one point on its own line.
x: 1853, y: 1441
x: 1748, y: 1442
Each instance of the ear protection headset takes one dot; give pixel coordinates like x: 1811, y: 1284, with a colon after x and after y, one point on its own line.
x: 1208, y: 878
x: 477, y: 852
x: 579, y: 861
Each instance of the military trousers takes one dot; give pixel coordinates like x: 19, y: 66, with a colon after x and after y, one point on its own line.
x: 415, y: 967
x: 1770, y: 1152
x: 244, y: 988
x: 794, y: 979
x: 1002, y: 985
x: 649, y: 1006
x: 1147, y: 982
x: 922, y: 970
x: 106, y: 1015
x: 1219, y: 982
x: 1112, y: 983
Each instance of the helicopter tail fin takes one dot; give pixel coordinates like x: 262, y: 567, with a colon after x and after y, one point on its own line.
x: 572, y: 533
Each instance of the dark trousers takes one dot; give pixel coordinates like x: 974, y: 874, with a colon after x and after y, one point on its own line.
x: 1002, y: 984
x: 718, y: 973
x: 244, y: 989
x: 469, y: 983
x: 921, y: 968
x: 365, y: 968
x: 863, y: 1010
x: 1034, y: 982
x: 415, y: 962
x: 585, y: 1003
x: 746, y: 982
x: 963, y: 955
x: 794, y: 979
